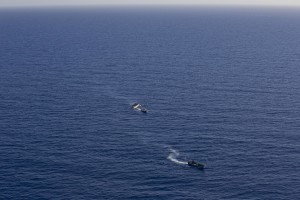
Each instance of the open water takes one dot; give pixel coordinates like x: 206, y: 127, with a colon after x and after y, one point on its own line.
x: 222, y: 86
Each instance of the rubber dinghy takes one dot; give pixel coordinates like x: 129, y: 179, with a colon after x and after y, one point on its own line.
x: 192, y: 163
x: 139, y: 107
x: 195, y: 164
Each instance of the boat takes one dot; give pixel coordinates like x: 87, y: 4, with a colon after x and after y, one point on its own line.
x: 144, y: 110
x: 139, y: 107
x: 198, y: 165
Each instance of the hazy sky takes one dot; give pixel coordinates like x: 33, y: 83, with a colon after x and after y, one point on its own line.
x: 130, y: 2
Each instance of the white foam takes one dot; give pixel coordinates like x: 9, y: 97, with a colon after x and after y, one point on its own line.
x: 173, y: 157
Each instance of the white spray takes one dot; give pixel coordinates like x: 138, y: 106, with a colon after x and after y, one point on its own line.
x: 173, y: 157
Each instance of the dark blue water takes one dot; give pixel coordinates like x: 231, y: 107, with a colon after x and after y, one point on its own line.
x: 222, y: 87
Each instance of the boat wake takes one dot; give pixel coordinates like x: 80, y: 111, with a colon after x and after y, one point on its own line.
x: 173, y: 157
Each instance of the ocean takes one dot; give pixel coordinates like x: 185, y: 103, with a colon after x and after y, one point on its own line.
x: 222, y: 86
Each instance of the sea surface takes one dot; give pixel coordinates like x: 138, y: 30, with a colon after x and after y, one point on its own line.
x: 222, y: 86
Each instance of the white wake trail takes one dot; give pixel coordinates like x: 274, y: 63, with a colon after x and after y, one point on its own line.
x: 173, y: 157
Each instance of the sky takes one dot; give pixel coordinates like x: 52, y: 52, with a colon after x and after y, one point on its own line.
x: 4, y: 3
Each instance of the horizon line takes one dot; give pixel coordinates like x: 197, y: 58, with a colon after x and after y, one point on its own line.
x: 242, y: 5
x: 151, y: 4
